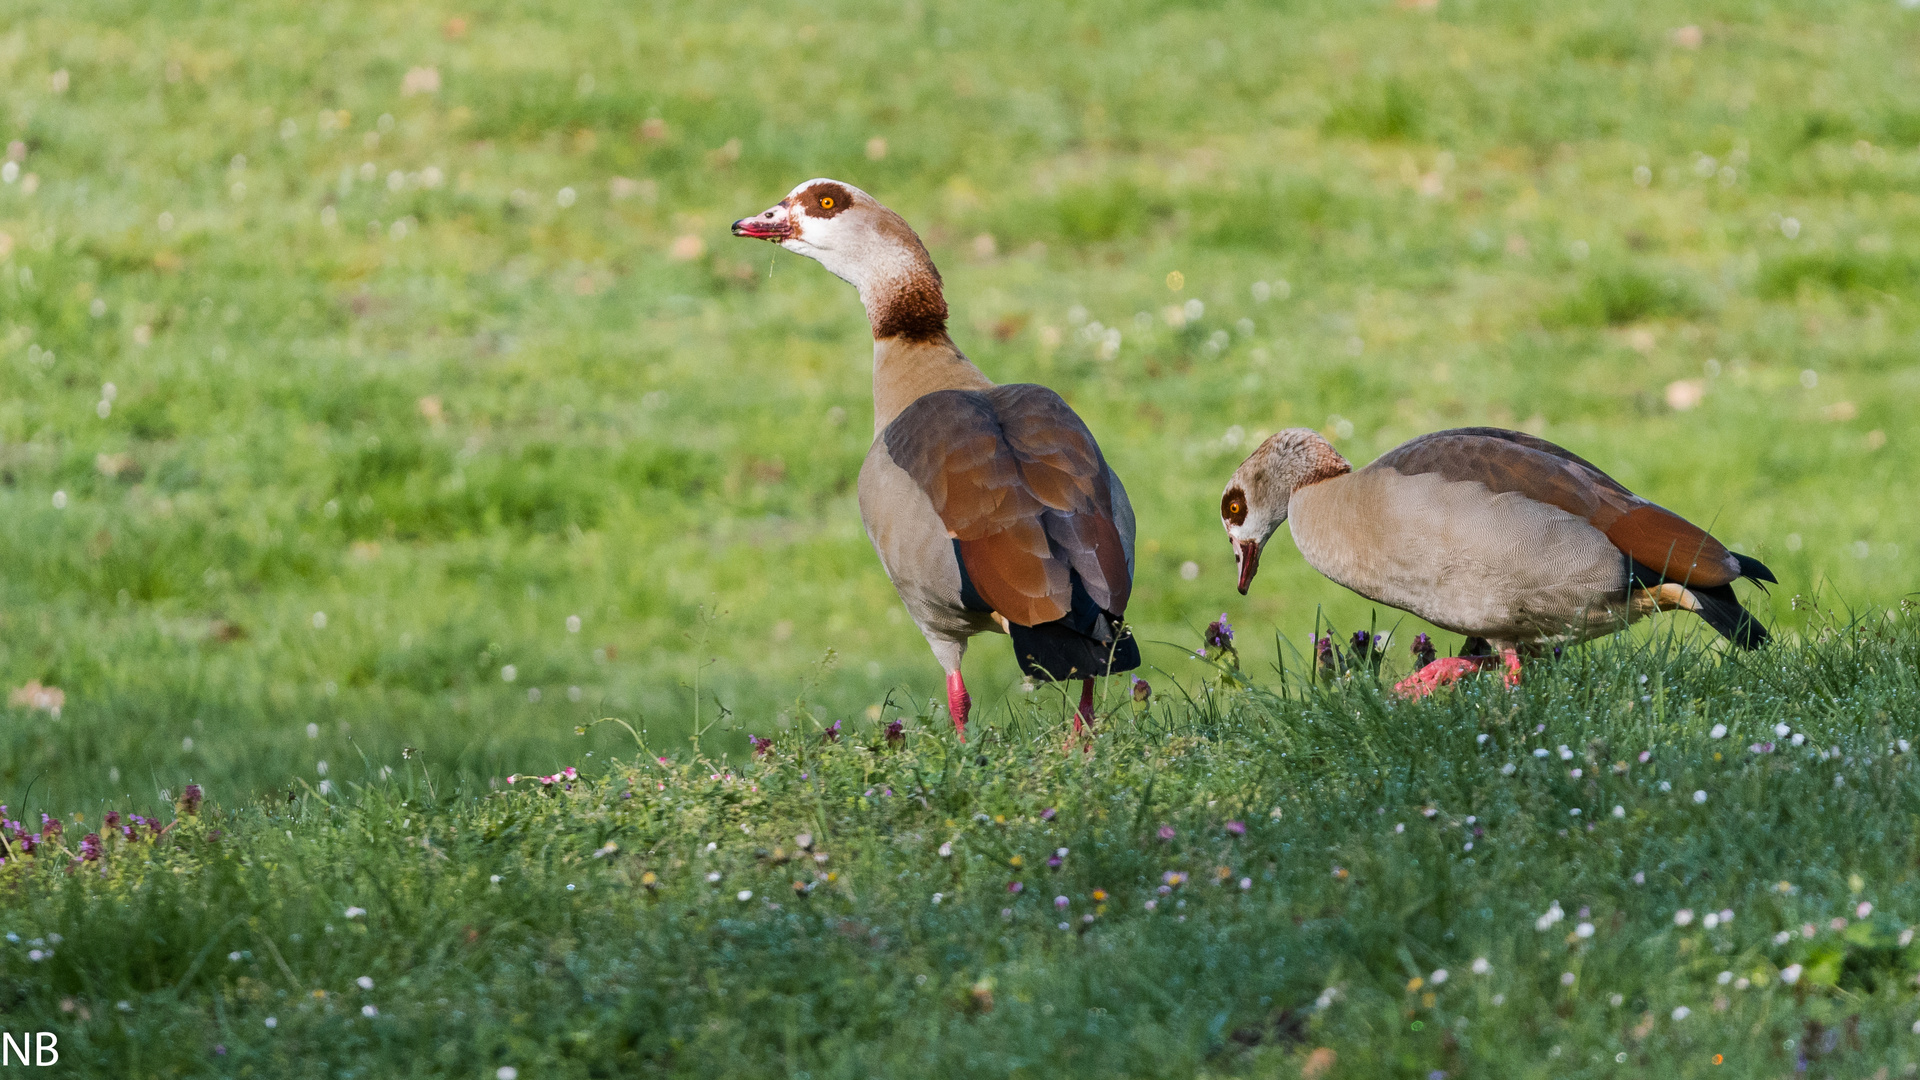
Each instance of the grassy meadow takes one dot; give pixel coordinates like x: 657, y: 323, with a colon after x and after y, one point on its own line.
x: 378, y: 377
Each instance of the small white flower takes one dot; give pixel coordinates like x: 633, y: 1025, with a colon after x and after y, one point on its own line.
x: 1681, y: 1012
x: 573, y: 624
x: 1683, y: 917
x: 364, y: 982
x: 1480, y: 966
x: 1783, y: 937
x: 494, y: 879
x: 1619, y: 811
x: 1439, y: 976
x: 1584, y: 930
x: 273, y: 1021
x: 1710, y: 920
x: 355, y: 912
x: 1906, y: 937
x: 507, y: 1072
x: 946, y: 850
x: 1719, y: 731
x: 369, y: 1011
x: 1724, y: 978
x: 1790, y: 974
x: 1566, y: 978
x: 1865, y: 909
x: 1799, y: 738
x: 1617, y: 1000
x: 1507, y: 769
x: 1666, y: 785
x: 1782, y: 731
x: 937, y: 897
x: 744, y: 895
x: 1565, y: 754
x: 319, y: 620
x: 1699, y: 796
x: 1541, y: 752
x: 714, y: 876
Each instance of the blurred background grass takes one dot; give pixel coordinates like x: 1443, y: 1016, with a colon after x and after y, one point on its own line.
x: 349, y: 351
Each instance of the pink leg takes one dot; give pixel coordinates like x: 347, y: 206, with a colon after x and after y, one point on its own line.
x: 1084, y: 718
x: 958, y: 703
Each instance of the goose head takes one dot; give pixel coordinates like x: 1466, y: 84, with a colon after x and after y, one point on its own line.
x: 864, y: 244
x: 1254, y: 505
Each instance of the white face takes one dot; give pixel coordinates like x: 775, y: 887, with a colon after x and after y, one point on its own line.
x: 813, y: 221
x: 1249, y: 526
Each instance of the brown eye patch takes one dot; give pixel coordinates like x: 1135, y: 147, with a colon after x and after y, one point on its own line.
x: 1233, y: 507
x: 825, y: 200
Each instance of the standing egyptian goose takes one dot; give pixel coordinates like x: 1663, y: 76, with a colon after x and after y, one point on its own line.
x: 1489, y: 533
x: 990, y: 506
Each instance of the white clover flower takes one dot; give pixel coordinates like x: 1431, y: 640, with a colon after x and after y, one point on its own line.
x: 1783, y: 937
x: 1865, y: 909
x: 1507, y: 769
x: 1584, y: 930
x: 1699, y: 796
x: 1683, y: 917
x: 355, y: 912
x: 1719, y: 731
x: 1439, y: 976
x: 364, y: 982
x: 1565, y: 754
x: 1782, y: 731
x: 1710, y: 920
x: 1681, y: 1012
x: 1724, y: 978
x: 1617, y: 1000
x: 1480, y: 966
x: 369, y: 1011
x: 744, y: 895
x: 1566, y: 978
x: 1541, y: 752
x: 1619, y: 811
x: 1790, y: 974
x: 946, y: 850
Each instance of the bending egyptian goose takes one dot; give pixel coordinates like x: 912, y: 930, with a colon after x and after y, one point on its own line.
x: 1493, y: 534
x: 990, y: 506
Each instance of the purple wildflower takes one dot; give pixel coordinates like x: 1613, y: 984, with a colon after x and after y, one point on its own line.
x: 1323, y: 652
x: 90, y: 847
x: 1015, y: 886
x: 761, y: 747
x: 1061, y: 902
x: 1362, y: 644
x: 1237, y: 828
x: 49, y: 828
x: 1047, y: 814
x: 1054, y: 861
x: 1219, y: 635
x: 1423, y: 650
x: 1166, y: 832
x: 190, y: 800
x: 832, y: 734
x: 896, y: 734
x: 112, y: 820
x: 1142, y: 690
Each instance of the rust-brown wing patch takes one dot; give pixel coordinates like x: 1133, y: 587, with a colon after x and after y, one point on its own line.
x: 1513, y: 461
x: 1019, y: 483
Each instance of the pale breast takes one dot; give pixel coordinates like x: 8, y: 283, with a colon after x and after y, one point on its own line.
x: 914, y: 548
x: 1502, y: 567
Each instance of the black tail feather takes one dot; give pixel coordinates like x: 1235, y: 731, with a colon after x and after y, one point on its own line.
x: 1723, y: 612
x: 1751, y: 567
x: 1054, y: 651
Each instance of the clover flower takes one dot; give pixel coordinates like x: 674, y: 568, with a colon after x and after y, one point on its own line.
x: 831, y: 734
x: 190, y: 799
x: 1166, y: 833
x: 1015, y: 887
x: 90, y: 850
x: 1047, y: 814
x: 896, y: 733
x: 1323, y: 653
x: 1237, y: 828
x: 1142, y: 690
x: 761, y: 746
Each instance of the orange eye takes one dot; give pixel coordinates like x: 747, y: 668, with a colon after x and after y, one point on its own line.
x: 1235, y: 508
x: 826, y: 202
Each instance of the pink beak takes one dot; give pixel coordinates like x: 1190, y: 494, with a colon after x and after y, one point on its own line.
x: 1247, y: 553
x: 776, y: 225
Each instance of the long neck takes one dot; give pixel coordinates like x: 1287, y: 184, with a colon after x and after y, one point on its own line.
x: 905, y: 370
x: 912, y: 354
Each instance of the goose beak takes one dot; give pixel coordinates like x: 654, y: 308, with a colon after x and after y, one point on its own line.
x: 1247, y: 553
x: 776, y: 225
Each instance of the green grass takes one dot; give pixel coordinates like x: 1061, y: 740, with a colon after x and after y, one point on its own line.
x: 402, y: 382
x: 849, y: 908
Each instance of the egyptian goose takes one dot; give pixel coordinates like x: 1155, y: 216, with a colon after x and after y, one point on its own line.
x: 1494, y: 534
x: 990, y: 506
